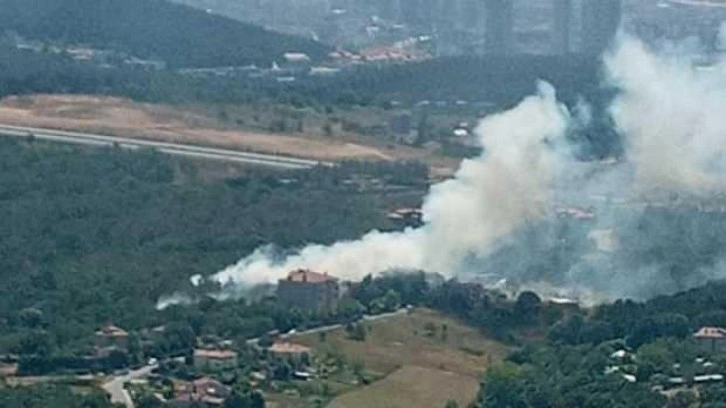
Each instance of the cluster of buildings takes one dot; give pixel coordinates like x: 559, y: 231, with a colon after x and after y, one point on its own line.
x: 501, y: 27
x: 104, y: 58
x: 455, y: 27
x: 708, y: 340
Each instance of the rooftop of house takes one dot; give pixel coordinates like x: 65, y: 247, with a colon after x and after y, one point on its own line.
x: 215, y: 354
x: 205, y: 389
x: 289, y: 348
x: 296, y: 57
x: 710, y: 333
x: 308, y: 276
x: 112, y: 331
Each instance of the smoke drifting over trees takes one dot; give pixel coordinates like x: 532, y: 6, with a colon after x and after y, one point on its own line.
x: 655, y: 217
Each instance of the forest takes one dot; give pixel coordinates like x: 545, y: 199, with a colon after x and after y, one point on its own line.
x: 474, y: 82
x: 619, y: 354
x: 94, y: 236
x: 471, y: 79
x: 152, y: 29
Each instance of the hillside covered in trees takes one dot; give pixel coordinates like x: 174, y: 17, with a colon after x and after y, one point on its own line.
x: 179, y: 35
x: 497, y: 80
x: 95, y: 236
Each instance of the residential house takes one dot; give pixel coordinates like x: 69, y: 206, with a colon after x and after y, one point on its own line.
x: 214, y: 359
x: 204, y: 390
x: 711, y: 339
x: 285, y: 349
x: 111, y: 337
x: 307, y: 290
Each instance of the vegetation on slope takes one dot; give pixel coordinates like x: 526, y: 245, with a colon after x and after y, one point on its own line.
x: 43, y: 396
x: 90, y: 237
x: 179, y: 35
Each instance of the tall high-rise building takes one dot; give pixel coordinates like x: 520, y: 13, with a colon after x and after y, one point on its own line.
x: 562, y: 22
x: 499, y: 22
x: 600, y: 22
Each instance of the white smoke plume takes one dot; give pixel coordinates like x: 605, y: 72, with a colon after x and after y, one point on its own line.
x: 670, y: 114
x: 489, y: 197
x: 671, y: 118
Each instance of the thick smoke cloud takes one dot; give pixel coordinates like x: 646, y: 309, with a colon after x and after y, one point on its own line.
x: 657, y: 223
x: 489, y: 197
x: 671, y: 115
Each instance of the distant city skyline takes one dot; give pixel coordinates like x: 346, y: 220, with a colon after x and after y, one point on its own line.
x: 496, y: 27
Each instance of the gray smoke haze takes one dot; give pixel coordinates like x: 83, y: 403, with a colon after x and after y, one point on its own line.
x: 671, y: 115
x: 489, y: 197
x: 635, y: 228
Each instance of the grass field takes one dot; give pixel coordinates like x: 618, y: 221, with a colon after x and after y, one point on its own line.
x: 423, y: 359
x: 412, y: 386
x: 410, y: 341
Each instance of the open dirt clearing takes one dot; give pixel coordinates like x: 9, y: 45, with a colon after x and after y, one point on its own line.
x: 122, y: 117
x: 412, y: 386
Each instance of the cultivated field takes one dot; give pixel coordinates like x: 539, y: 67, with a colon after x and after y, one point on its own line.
x: 412, y: 386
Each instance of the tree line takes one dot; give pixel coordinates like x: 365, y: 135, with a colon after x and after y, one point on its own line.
x: 97, y: 236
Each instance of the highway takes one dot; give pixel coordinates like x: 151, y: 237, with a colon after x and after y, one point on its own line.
x: 176, y: 149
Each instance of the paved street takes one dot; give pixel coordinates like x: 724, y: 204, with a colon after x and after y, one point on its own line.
x: 177, y: 149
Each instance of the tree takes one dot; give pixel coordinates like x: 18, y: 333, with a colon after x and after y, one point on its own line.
x: 423, y: 130
x: 265, y: 341
x: 135, y: 350
x: 682, y: 399
x: 117, y: 359
x: 180, y: 337
x: 391, y: 300
x: 328, y: 129
x: 36, y: 342
x: 356, y: 331
x: 430, y: 329
x: 282, y: 371
x: 527, y: 307
x: 568, y: 330
x: 502, y: 387
x: 358, y: 368
x: 149, y: 401
x: 244, y: 399
x: 31, y: 318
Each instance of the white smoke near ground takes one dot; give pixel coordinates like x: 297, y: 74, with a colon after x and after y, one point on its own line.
x: 672, y: 122
x: 174, y: 299
x: 489, y: 197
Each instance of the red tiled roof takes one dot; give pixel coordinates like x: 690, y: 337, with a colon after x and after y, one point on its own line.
x: 306, y: 275
x: 215, y: 354
x: 112, y: 331
x: 289, y: 348
x: 710, y: 333
x: 207, y: 390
